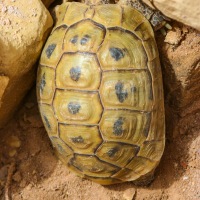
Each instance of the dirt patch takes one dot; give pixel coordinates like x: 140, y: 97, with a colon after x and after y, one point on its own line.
x: 30, y: 171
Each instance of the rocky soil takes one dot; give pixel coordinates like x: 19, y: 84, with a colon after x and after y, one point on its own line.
x: 29, y: 169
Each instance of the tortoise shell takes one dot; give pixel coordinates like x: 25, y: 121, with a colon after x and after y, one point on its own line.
x: 100, y: 92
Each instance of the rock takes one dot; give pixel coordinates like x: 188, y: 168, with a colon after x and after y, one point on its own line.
x: 13, y: 141
x: 185, y: 178
x: 129, y: 194
x: 174, y: 36
x: 3, y: 173
x: 180, y: 59
x: 17, y: 177
x: 24, y: 27
x: 12, y: 152
x: 22, y: 184
x: 187, y: 11
x: 47, y: 3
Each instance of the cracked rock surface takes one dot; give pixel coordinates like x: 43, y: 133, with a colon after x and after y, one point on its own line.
x: 24, y: 27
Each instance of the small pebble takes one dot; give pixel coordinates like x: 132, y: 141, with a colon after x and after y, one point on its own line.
x: 13, y: 141
x: 17, y: 177
x: 173, y: 37
x: 175, y: 165
x: 22, y: 184
x: 29, y: 187
x: 12, y: 152
x: 185, y: 178
x: 129, y: 194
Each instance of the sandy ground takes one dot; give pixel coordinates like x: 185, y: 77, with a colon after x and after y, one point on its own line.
x: 29, y: 169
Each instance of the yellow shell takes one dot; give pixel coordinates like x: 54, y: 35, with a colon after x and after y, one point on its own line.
x: 100, y: 92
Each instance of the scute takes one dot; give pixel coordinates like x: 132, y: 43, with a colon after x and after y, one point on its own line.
x: 78, y: 70
x: 141, y: 165
x: 150, y: 49
x: 65, y: 153
x: 117, y: 153
x: 85, y: 36
x: 131, y: 18
x: 126, y: 175
x: 152, y: 150
x: 45, y: 84
x: 116, y: 53
x: 53, y: 48
x: 100, y: 92
x: 82, y: 139
x: 73, y: 14
x: 103, y: 181
x: 77, y: 107
x: 125, y: 126
x: 127, y: 90
x: 49, y: 119
x: 92, y: 166
x: 60, y: 12
x: 135, y: 22
x: 108, y: 15
x: 144, y: 31
x: 157, y: 127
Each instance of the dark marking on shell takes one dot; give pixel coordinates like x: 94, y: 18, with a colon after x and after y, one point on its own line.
x: 85, y: 39
x: 117, y: 128
x: 43, y: 82
x: 150, y: 90
x: 121, y: 94
x: 112, y: 152
x: 60, y: 149
x: 75, y: 73
x: 74, y: 39
x: 55, y: 143
x: 78, y: 139
x: 50, y: 50
x: 137, y: 149
x: 47, y: 122
x: 116, y: 53
x: 147, y: 125
x: 133, y: 89
x: 73, y: 108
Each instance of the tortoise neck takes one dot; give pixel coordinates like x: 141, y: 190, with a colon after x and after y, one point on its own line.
x: 96, y: 2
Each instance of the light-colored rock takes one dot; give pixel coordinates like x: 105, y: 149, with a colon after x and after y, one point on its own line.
x: 17, y: 176
x: 174, y: 37
x: 24, y: 26
x: 129, y: 194
x: 187, y: 11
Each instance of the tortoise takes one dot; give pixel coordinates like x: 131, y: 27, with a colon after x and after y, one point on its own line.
x: 100, y: 91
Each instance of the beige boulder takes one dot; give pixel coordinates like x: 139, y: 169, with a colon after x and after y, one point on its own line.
x: 24, y: 27
x: 187, y: 11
